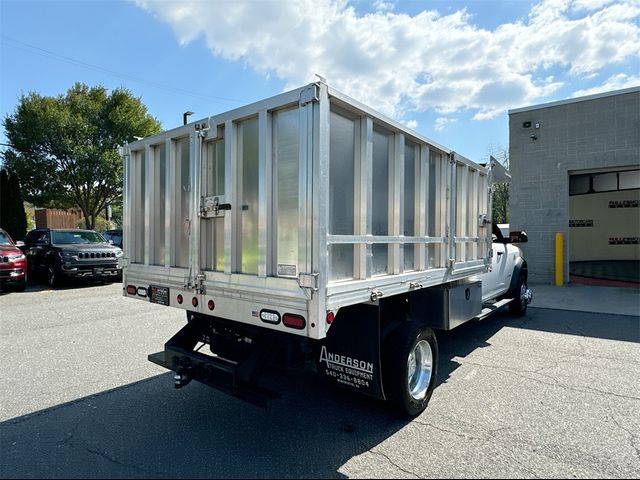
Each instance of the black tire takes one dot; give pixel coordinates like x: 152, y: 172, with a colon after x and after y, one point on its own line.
x: 518, y: 306
x: 396, y: 354
x: 21, y: 286
x: 32, y: 271
x: 53, y: 275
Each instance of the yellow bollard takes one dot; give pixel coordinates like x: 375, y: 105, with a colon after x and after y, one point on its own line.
x: 559, y: 259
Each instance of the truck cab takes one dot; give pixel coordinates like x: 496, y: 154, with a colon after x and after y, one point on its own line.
x: 507, y: 275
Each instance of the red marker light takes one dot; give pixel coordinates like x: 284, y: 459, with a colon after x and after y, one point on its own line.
x: 131, y: 289
x: 179, y: 299
x: 330, y: 318
x: 294, y: 321
x: 194, y: 301
x: 211, y: 304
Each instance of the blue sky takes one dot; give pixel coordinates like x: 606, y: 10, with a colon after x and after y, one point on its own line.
x: 449, y: 69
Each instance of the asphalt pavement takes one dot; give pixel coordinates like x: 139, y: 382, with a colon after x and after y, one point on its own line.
x: 551, y: 394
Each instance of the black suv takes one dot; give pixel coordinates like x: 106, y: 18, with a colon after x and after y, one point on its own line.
x: 115, y: 236
x: 72, y: 253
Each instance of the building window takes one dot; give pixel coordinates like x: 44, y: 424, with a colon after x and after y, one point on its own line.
x: 604, y: 182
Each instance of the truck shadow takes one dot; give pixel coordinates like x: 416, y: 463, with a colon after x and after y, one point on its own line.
x: 147, y: 429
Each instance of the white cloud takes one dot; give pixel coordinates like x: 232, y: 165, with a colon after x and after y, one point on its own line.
x: 410, y: 123
x: 401, y: 63
x: 383, y: 6
x: 591, y: 4
x: 442, y: 122
x: 615, y: 82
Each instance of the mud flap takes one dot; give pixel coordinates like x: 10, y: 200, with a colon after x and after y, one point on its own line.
x: 350, y: 354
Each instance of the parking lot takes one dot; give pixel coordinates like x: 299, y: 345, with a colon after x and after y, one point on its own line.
x: 552, y: 394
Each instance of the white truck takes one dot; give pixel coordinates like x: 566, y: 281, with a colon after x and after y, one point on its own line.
x: 309, y: 230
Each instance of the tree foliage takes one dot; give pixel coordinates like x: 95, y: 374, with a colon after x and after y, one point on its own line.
x: 65, y: 148
x: 13, y: 217
x: 500, y: 196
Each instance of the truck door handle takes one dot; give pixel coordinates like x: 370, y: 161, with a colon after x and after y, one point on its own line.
x: 499, y: 253
x: 224, y: 206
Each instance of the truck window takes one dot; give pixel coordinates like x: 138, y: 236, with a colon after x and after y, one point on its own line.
x: 341, y: 199
x: 286, y: 140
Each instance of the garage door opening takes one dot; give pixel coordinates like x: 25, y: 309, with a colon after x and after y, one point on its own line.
x: 604, y: 227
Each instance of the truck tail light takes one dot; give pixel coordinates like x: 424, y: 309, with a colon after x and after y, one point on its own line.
x: 330, y: 318
x: 270, y: 316
x: 179, y: 299
x: 131, y: 289
x: 194, y: 301
x: 211, y: 304
x: 294, y: 321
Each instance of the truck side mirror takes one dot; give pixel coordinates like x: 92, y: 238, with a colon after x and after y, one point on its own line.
x: 518, y: 237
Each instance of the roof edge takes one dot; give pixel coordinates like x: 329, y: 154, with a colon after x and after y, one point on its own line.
x: 576, y: 100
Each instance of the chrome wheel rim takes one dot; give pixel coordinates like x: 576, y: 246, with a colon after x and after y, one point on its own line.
x: 525, y: 295
x: 419, y: 370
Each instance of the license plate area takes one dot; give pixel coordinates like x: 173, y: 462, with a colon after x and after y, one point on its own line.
x: 159, y: 295
x: 98, y: 270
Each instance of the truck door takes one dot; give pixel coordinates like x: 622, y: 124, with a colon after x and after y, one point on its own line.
x: 253, y: 204
x: 494, y: 282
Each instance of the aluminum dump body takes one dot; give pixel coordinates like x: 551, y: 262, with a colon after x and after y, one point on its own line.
x: 299, y: 204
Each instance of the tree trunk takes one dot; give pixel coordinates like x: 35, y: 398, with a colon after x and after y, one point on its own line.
x: 87, y: 225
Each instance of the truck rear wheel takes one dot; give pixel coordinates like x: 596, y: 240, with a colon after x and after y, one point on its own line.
x: 410, y: 365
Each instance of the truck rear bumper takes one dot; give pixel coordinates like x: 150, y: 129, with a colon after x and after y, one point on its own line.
x: 233, y: 378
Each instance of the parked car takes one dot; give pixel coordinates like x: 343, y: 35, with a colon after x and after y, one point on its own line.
x: 115, y: 236
x: 64, y: 254
x: 13, y: 263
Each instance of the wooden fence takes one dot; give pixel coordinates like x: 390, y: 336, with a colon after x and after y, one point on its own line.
x: 57, y: 218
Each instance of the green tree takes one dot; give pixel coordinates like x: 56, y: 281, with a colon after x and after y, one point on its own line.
x: 65, y: 148
x: 500, y: 195
x: 13, y: 217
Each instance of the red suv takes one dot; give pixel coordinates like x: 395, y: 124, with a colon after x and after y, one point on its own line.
x: 13, y: 263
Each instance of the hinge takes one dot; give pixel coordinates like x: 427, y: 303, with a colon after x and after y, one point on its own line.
x: 199, y: 286
x: 308, y: 280
x: 202, y: 127
x: 310, y: 94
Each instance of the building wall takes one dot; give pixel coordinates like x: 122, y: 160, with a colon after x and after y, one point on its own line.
x: 592, y: 133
